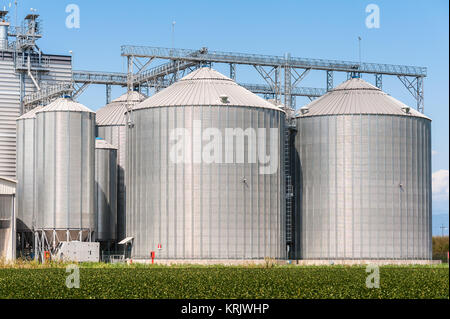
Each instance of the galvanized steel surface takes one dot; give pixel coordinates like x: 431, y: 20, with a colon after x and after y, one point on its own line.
x: 201, y: 210
x: 7, y: 186
x: 205, y: 86
x: 114, y: 112
x: 106, y: 190
x: 115, y: 134
x: 111, y: 122
x: 4, y: 26
x: 65, y: 166
x: 363, y: 187
x: 59, y: 69
x: 356, y: 96
x: 7, y: 198
x: 6, y: 204
x: 25, y: 163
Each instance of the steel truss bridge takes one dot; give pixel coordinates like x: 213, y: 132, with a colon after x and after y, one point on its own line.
x: 281, y: 74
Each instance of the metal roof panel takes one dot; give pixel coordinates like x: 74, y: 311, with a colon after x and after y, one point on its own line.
x: 64, y: 104
x: 205, y: 87
x: 356, y: 96
x: 114, y: 112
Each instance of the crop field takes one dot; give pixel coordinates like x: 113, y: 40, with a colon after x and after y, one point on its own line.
x: 138, y: 281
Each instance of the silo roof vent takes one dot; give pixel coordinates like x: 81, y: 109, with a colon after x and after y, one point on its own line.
x: 304, y: 110
x: 224, y: 98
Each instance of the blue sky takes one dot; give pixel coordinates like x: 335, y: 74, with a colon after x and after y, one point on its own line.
x: 411, y: 33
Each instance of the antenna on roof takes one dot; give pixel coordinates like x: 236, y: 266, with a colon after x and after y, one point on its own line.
x: 15, y: 22
x: 173, y: 34
x: 357, y: 73
x: 359, y: 48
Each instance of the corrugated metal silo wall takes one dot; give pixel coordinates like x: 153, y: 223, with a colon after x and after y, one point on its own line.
x: 59, y: 69
x: 25, y: 174
x: 65, y: 170
x: 203, y: 210
x: 363, y: 187
x: 115, y: 135
x: 106, y: 193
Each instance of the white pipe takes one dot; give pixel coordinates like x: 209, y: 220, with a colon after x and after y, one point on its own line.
x: 31, y: 75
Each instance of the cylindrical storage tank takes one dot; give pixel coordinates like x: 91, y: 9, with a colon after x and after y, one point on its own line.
x: 111, y: 122
x: 106, y: 190
x: 4, y: 26
x: 363, y: 177
x: 25, y: 166
x: 205, y: 172
x: 65, y: 161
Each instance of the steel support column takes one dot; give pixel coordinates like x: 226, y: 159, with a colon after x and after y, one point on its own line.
x: 108, y: 93
x: 278, y: 84
x: 329, y: 80
x: 415, y: 87
x: 419, y: 93
x: 287, y: 82
x: 233, y: 71
x: 379, y: 81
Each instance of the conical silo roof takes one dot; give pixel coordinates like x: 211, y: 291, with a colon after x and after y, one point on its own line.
x: 205, y: 87
x: 114, y: 113
x: 64, y: 104
x: 101, y: 143
x: 30, y: 114
x: 356, y: 96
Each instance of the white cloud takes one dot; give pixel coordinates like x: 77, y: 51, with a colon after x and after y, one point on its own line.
x: 440, y: 184
x: 433, y: 152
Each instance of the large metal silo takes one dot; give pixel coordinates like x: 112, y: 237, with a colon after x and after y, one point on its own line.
x: 363, y: 177
x: 25, y: 164
x: 65, y: 146
x: 111, y: 123
x: 106, y: 190
x: 198, y: 183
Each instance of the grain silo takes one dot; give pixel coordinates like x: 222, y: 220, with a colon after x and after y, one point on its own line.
x: 25, y: 164
x: 65, y: 143
x: 111, y: 123
x: 205, y: 172
x: 24, y: 70
x: 106, y: 190
x: 363, y: 177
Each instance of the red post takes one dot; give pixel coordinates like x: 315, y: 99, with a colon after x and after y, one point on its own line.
x: 153, y: 256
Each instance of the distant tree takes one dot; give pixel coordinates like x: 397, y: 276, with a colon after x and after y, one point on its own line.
x: 440, y: 248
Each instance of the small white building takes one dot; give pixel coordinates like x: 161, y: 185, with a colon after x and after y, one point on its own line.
x: 7, y: 218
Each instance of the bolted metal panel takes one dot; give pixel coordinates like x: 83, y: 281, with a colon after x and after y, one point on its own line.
x: 363, y: 187
x: 111, y: 122
x: 25, y: 164
x: 197, y: 209
x: 11, y: 83
x: 26, y: 170
x: 106, y: 191
x: 65, y: 162
x: 356, y: 96
x: 115, y: 135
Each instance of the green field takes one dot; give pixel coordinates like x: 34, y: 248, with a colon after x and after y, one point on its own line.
x: 137, y: 281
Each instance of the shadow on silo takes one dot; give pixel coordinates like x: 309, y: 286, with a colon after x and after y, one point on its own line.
x: 297, y: 182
